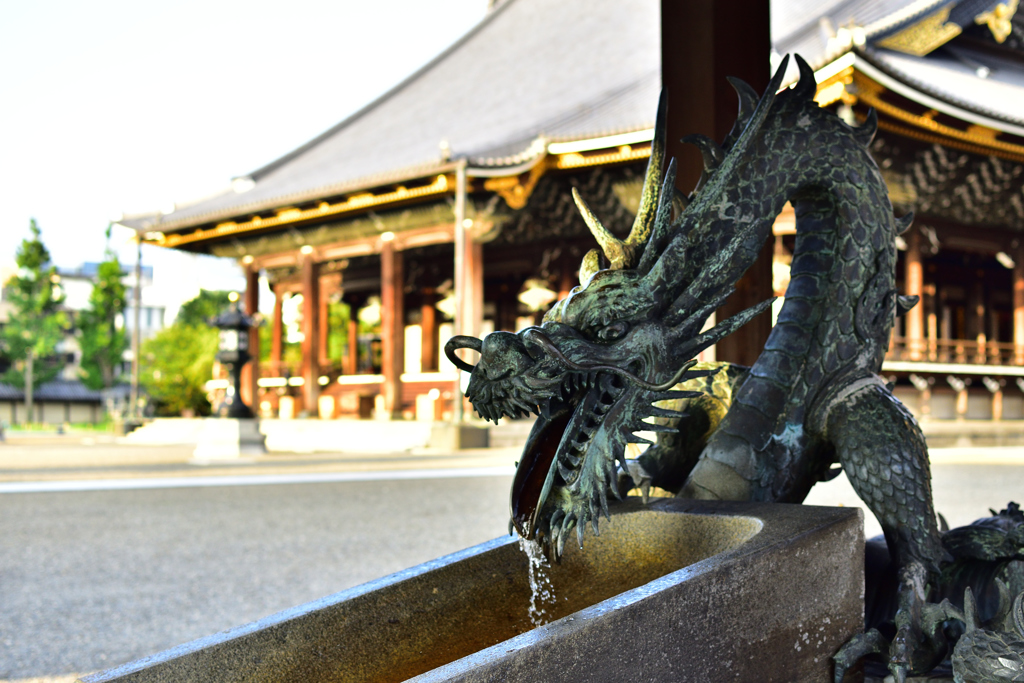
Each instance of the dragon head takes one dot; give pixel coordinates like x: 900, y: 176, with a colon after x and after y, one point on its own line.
x: 621, y: 340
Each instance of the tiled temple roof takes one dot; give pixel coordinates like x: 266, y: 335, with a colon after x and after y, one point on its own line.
x: 540, y: 71
x: 553, y: 70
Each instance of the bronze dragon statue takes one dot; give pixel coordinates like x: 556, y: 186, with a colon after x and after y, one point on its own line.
x: 615, y: 357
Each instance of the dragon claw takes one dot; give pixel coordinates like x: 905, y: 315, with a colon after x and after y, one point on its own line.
x: 855, y: 649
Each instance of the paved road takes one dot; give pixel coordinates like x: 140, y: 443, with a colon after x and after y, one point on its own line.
x: 962, y: 492
x: 93, y: 579
x: 41, y: 459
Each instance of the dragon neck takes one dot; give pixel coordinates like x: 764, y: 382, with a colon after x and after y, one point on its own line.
x: 836, y: 316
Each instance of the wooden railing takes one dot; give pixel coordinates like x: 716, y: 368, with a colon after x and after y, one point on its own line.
x: 954, y: 351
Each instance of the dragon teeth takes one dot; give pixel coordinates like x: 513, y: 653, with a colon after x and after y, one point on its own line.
x: 659, y: 428
x: 655, y: 411
x: 567, y: 474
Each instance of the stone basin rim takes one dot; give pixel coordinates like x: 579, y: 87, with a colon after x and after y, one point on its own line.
x: 773, y: 524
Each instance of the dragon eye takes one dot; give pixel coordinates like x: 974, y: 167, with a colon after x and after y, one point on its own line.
x: 612, y: 332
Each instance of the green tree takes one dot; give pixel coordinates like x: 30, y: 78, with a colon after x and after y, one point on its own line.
x: 37, y: 323
x: 176, y: 364
x: 198, y: 311
x: 178, y: 361
x: 103, y: 343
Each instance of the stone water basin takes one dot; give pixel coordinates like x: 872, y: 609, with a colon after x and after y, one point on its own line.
x: 672, y: 590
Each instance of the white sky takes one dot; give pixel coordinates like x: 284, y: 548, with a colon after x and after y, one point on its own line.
x: 114, y: 106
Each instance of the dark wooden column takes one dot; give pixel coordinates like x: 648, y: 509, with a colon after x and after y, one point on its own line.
x: 1018, y: 306
x: 277, y: 333
x: 702, y: 42
x: 913, y: 283
x: 251, y: 371
x: 428, y: 331
x: 310, y: 334
x: 567, y: 275
x: 392, y: 327
x: 507, y: 310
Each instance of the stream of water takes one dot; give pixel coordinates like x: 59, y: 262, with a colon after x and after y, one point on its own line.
x: 542, y: 593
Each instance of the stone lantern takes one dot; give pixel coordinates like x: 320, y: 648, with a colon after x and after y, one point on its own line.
x: 233, y: 351
x: 240, y: 434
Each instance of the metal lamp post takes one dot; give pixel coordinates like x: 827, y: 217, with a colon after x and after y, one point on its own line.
x: 233, y: 351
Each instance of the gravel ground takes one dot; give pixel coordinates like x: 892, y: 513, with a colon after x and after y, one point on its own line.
x: 91, y: 580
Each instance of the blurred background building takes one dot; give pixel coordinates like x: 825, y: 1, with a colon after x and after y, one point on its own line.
x: 65, y: 398
x: 444, y: 206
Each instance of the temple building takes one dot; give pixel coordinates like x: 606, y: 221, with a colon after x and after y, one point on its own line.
x: 947, y: 82
x: 444, y: 207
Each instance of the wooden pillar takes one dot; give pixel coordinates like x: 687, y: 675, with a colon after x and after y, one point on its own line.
x: 251, y: 371
x: 311, y: 334
x: 508, y: 308
x: 277, y: 333
x: 428, y: 332
x: 392, y: 283
x: 352, y: 358
x: 914, y: 284
x: 960, y: 387
x: 978, y: 325
x: 474, y: 294
x: 1018, y: 307
x: 702, y: 43
x: 945, y: 325
x: 325, y: 325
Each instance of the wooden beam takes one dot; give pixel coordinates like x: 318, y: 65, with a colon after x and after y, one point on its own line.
x: 361, y: 246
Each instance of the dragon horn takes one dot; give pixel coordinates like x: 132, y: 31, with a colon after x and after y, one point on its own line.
x: 624, y: 254
x: 649, y: 199
x: 591, y: 264
x: 662, y: 221
x: 614, y: 249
